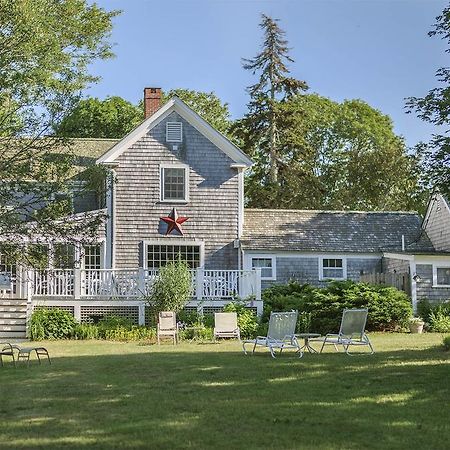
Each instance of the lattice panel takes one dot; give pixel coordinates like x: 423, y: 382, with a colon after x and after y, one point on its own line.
x: 190, y: 309
x: 69, y: 309
x: 212, y: 309
x: 89, y: 313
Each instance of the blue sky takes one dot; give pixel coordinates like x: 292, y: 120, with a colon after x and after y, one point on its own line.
x: 375, y: 50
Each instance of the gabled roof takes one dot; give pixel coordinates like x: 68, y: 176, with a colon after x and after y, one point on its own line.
x: 435, y: 197
x: 177, y: 105
x: 333, y: 231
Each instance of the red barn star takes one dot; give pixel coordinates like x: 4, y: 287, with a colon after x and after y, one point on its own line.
x: 174, y: 222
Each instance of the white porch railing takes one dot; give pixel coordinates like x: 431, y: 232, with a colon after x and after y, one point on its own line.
x: 133, y: 284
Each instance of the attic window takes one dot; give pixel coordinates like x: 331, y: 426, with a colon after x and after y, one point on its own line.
x: 174, y: 132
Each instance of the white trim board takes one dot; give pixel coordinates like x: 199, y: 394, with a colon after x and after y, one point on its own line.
x: 175, y: 104
x: 300, y: 254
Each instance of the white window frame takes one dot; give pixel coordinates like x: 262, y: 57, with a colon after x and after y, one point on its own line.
x: 265, y: 256
x: 100, y: 244
x: 344, y: 267
x: 435, y: 268
x: 181, y: 132
x: 172, y: 241
x: 162, y: 167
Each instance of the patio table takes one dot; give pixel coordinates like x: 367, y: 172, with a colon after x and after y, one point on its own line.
x: 307, y: 337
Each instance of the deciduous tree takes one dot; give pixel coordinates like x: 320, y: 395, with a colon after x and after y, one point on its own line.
x: 45, y: 49
x: 113, y: 117
x: 435, y: 109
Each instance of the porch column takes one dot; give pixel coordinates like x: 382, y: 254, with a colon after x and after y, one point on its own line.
x: 77, y: 283
x: 199, y: 281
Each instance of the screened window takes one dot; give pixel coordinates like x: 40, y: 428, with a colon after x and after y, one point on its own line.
x: 266, y: 266
x: 332, y: 268
x: 159, y: 255
x: 443, y: 276
x: 92, y: 257
x: 173, y: 184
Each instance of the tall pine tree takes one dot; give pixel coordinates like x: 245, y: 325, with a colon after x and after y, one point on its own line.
x: 258, y: 130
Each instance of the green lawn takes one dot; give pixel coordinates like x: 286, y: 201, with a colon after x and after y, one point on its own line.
x: 125, y: 395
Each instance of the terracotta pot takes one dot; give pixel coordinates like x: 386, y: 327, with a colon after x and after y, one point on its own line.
x: 416, y: 327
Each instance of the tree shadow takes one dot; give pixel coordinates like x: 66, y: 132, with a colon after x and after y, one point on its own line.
x: 183, y: 397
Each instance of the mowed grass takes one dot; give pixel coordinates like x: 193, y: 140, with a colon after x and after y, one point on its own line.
x: 125, y: 395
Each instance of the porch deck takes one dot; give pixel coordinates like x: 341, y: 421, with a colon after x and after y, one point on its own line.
x: 90, y: 292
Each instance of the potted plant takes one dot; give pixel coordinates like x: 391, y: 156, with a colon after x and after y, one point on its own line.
x: 416, y: 325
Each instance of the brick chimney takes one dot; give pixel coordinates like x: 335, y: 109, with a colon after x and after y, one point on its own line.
x: 152, y: 101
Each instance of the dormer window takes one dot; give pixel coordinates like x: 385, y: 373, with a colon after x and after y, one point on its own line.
x: 174, y: 132
x: 174, y: 183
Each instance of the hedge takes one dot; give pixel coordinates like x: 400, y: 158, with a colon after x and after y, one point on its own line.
x: 389, y: 308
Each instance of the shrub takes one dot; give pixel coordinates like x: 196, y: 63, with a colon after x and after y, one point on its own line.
x: 436, y: 316
x: 446, y: 343
x: 172, y: 288
x: 320, y: 309
x: 85, y: 331
x: 52, y: 323
x: 247, y: 320
x: 440, y: 320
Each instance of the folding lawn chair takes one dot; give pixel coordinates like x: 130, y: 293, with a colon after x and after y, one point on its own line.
x: 280, y: 335
x: 226, y: 326
x: 351, y: 331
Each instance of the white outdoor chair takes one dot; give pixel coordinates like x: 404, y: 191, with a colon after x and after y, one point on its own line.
x: 167, y: 326
x: 351, y: 331
x: 280, y: 335
x: 226, y: 326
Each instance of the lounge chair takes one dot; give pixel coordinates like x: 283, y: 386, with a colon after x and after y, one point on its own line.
x: 351, y: 331
x: 226, y: 326
x: 6, y: 349
x: 167, y: 326
x: 280, y: 335
x: 23, y: 353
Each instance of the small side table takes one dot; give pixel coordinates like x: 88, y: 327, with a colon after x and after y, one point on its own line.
x: 307, y: 337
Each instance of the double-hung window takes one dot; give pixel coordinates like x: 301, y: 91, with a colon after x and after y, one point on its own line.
x: 332, y: 268
x: 174, y: 183
x: 267, y: 266
x: 441, y: 276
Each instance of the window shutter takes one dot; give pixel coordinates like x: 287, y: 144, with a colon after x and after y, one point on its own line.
x: 141, y: 254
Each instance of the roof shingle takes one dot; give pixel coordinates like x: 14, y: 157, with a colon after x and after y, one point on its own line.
x: 333, y: 231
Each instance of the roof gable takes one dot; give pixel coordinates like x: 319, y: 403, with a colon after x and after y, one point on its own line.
x: 175, y: 104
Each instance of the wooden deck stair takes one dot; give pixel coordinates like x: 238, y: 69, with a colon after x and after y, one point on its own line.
x: 13, y: 318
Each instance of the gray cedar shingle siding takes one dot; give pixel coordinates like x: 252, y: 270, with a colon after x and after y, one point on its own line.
x: 356, y: 266
x: 332, y: 231
x: 424, y: 287
x: 306, y: 269
x: 391, y: 265
x: 213, y: 196
x: 438, y: 223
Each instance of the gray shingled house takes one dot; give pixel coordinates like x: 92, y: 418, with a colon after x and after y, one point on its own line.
x: 179, y: 189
